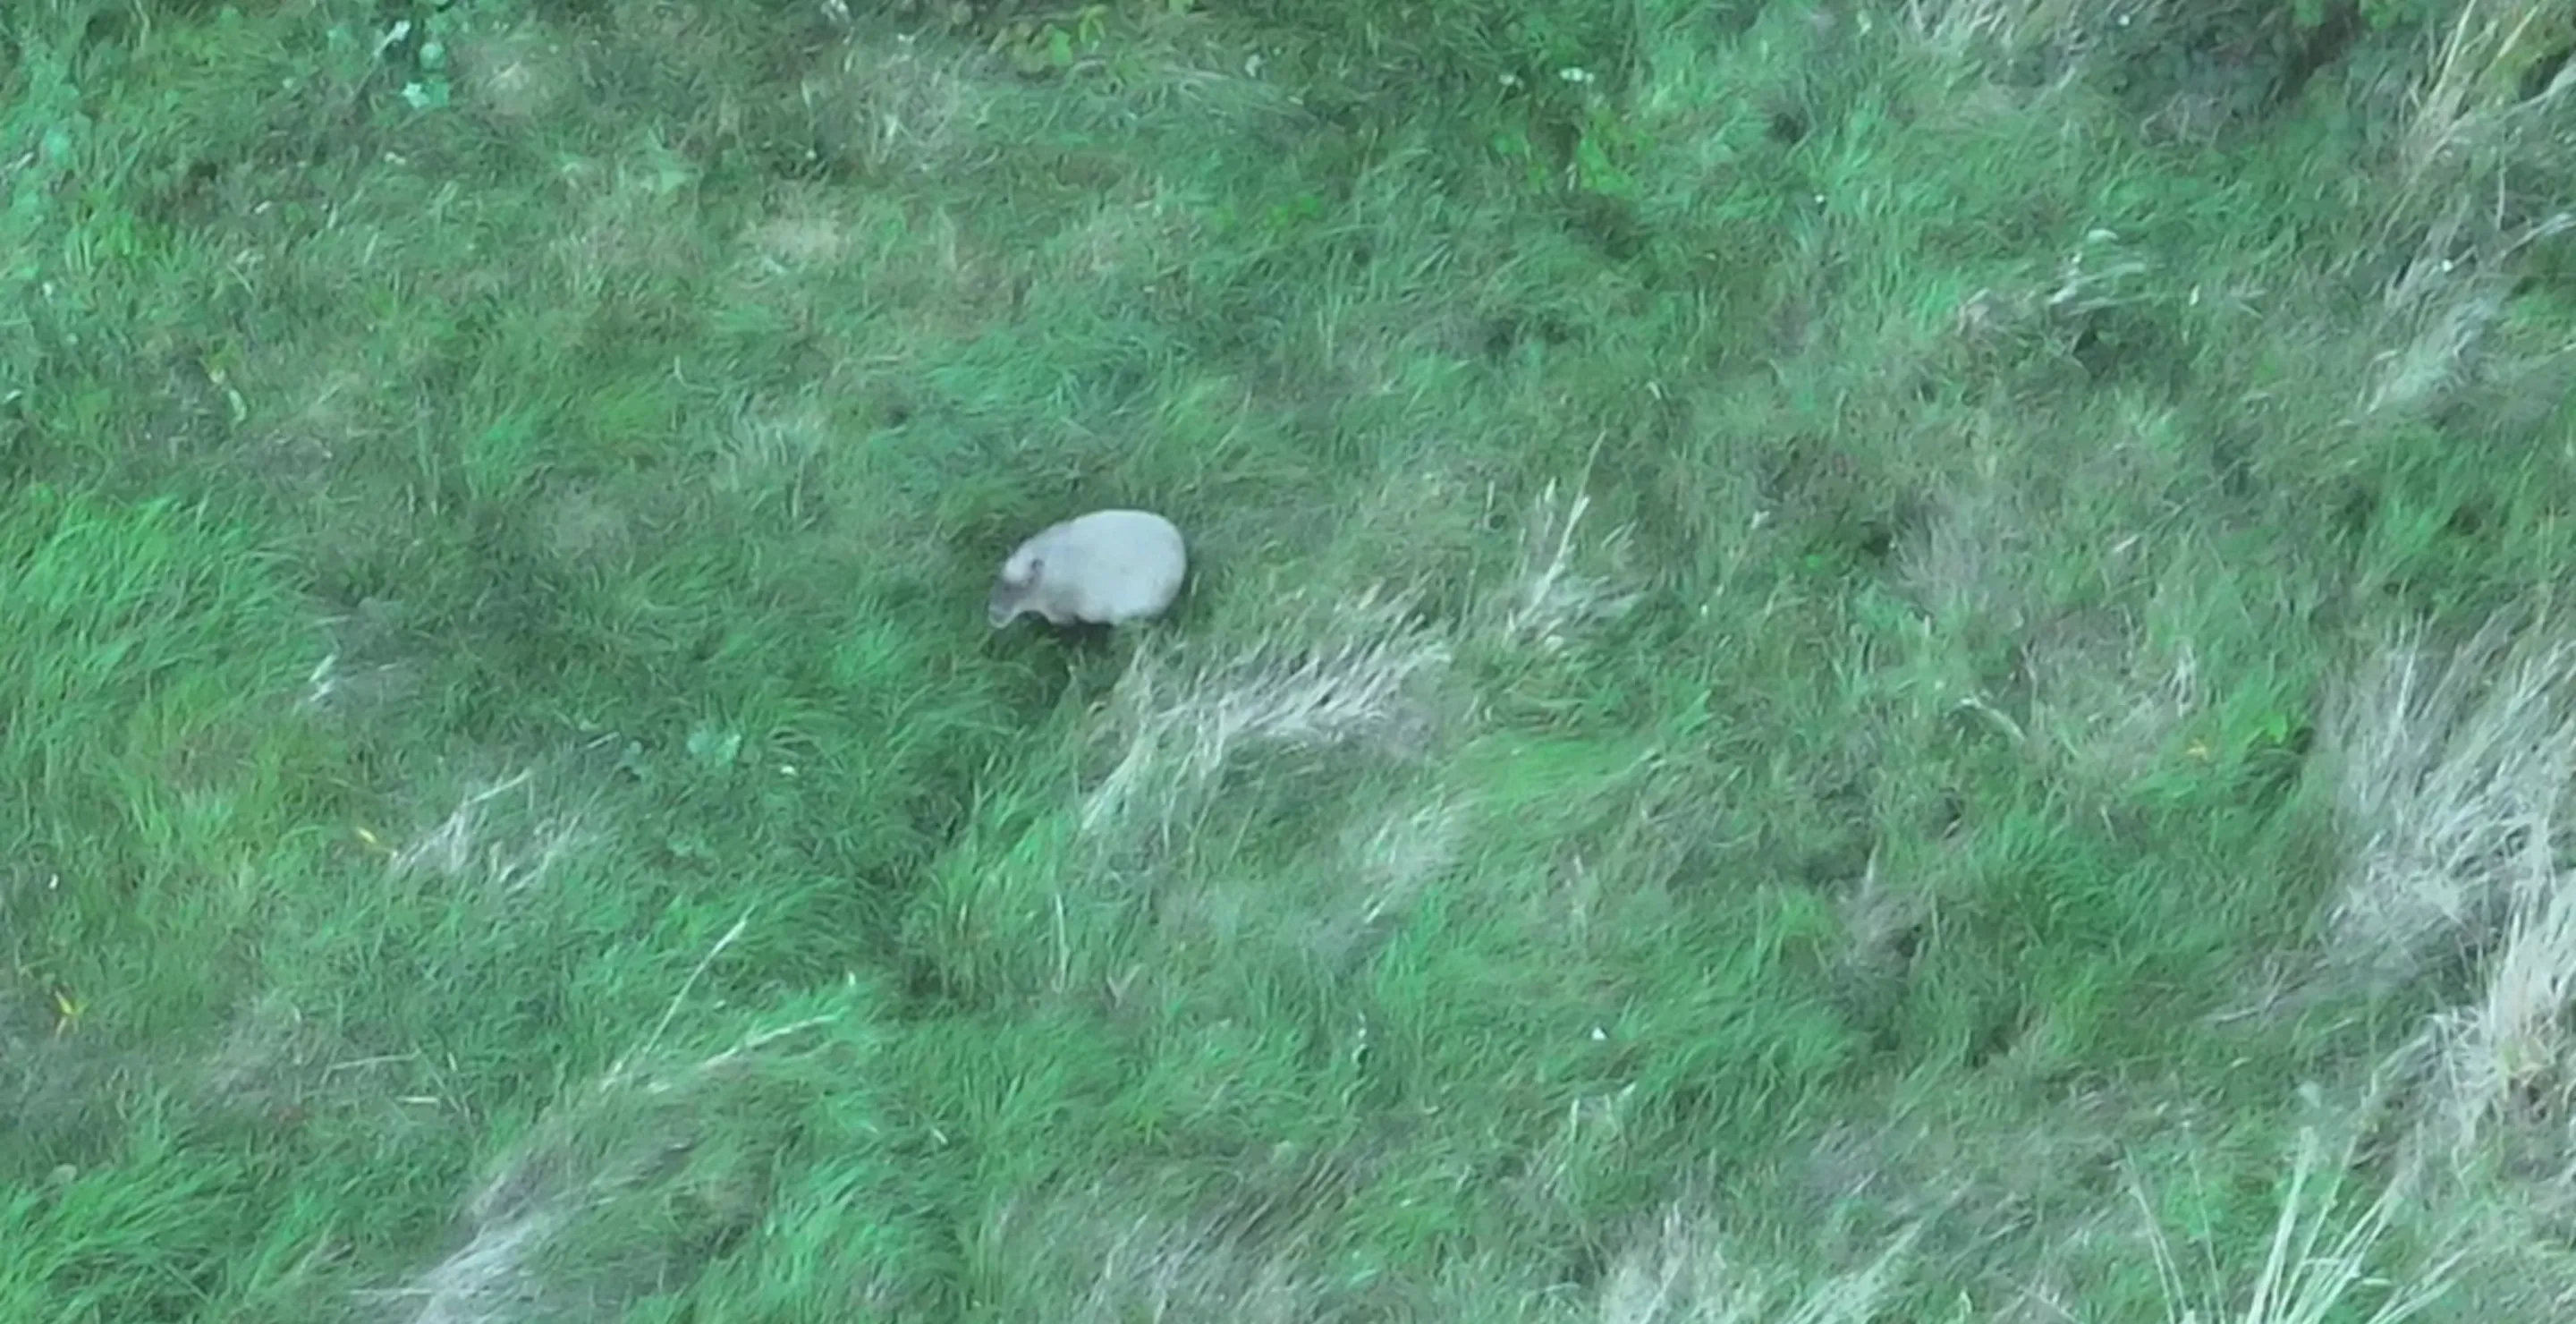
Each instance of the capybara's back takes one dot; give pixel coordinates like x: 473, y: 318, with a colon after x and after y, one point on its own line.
x: 1110, y: 567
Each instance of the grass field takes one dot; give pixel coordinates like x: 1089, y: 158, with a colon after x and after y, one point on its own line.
x: 1850, y: 661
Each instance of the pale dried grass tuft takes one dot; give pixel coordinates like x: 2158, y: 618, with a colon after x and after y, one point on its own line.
x: 1330, y: 674
x: 2451, y: 772
x: 489, y: 1281
x: 901, y: 106
x: 1389, y: 862
x: 472, y: 841
x: 1113, y: 1249
x: 2471, y: 91
x: 1998, y: 31
x: 2508, y: 1060
x: 515, y: 76
x: 2317, y: 1257
x: 1683, y: 1275
x: 272, y: 1056
x: 1145, y: 236
x: 2112, y: 693
x: 2476, y: 170
x: 1551, y: 599
x: 2499, y: 1071
x: 1966, y: 564
x: 770, y: 449
x: 806, y: 231
x: 635, y: 217
x: 2458, y: 782
x: 1154, y: 1270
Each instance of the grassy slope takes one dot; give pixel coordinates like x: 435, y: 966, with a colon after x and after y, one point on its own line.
x: 512, y: 807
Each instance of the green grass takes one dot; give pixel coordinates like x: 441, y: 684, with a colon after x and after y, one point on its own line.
x: 1794, y: 704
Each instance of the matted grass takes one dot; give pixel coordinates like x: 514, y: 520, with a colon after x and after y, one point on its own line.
x: 1846, y: 663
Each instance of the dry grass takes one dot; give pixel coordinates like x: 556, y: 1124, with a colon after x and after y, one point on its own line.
x: 1148, y: 1266
x: 1682, y: 1274
x: 515, y: 75
x: 1390, y: 863
x: 1983, y: 31
x: 2454, y: 768
x: 2458, y: 781
x: 1329, y: 672
x: 2437, y: 311
x: 2472, y: 86
x: 905, y: 109
x: 2508, y: 1059
x: 1551, y: 598
x: 2472, y: 190
x: 490, y: 1280
x: 2320, y: 1259
x: 479, y: 842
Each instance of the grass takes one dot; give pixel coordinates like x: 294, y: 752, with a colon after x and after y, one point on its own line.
x: 1847, y: 662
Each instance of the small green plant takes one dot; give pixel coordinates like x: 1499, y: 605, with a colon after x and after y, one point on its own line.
x: 414, y: 42
x: 1606, y: 146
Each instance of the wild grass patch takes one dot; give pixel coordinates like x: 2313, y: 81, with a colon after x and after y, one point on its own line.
x: 1832, y: 653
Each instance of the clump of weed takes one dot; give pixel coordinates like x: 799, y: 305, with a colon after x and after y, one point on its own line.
x: 2454, y: 780
x: 1329, y: 672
